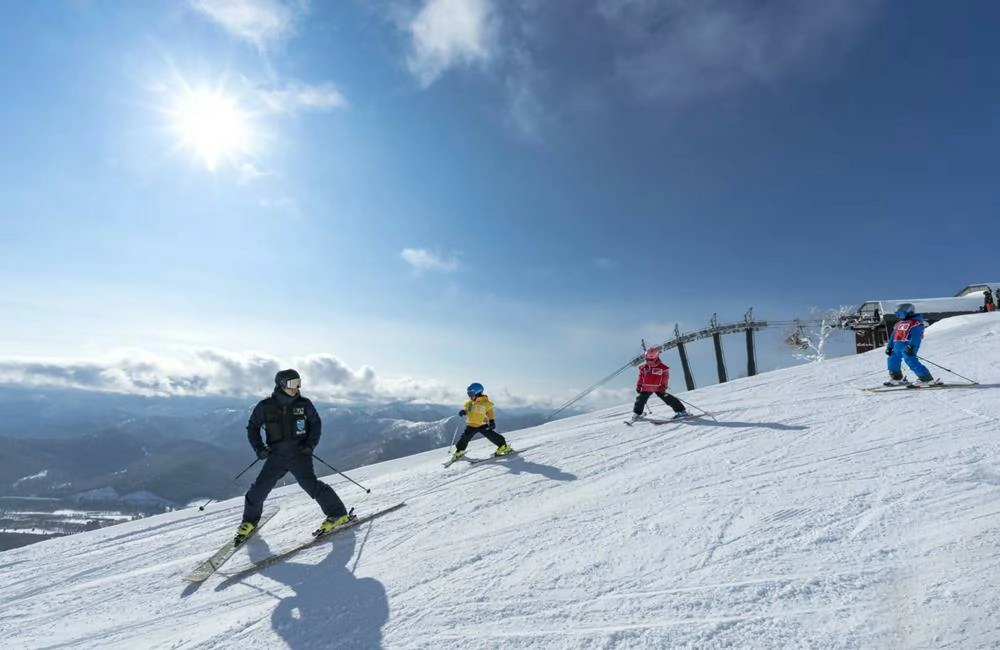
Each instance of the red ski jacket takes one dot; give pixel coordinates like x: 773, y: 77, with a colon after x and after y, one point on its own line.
x: 654, y: 377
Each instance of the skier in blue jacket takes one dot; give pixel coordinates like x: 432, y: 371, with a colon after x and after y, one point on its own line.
x: 903, y: 346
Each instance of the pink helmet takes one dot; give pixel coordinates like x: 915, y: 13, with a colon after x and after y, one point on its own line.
x: 652, y: 354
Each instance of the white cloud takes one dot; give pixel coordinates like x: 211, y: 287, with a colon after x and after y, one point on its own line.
x: 424, y: 260
x: 207, y: 372
x: 298, y: 96
x: 449, y: 33
x: 261, y: 22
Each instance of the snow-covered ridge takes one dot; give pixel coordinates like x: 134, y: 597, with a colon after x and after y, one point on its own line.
x: 34, y: 477
x: 810, y: 514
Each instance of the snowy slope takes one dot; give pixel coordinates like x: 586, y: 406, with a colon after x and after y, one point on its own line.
x: 811, y: 514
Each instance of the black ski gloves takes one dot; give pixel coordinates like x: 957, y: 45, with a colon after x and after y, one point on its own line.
x: 493, y: 425
x: 306, y: 450
x: 908, y: 350
x: 888, y: 350
x: 263, y: 453
x: 462, y: 412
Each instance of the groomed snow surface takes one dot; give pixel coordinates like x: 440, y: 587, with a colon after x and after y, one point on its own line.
x: 810, y: 515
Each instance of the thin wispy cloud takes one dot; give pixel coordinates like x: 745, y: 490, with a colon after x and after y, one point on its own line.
x: 296, y: 97
x: 660, y: 51
x: 525, y: 107
x: 425, y: 260
x: 248, y: 173
x: 680, y: 49
x: 450, y: 33
x: 284, y: 204
x: 264, y: 23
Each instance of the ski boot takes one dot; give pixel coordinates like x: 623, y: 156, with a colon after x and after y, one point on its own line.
x: 896, y: 379
x: 331, y: 523
x: 503, y: 450
x: 244, y: 532
x: 680, y: 415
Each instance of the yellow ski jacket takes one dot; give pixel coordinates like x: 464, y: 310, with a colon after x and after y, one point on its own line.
x: 478, y: 411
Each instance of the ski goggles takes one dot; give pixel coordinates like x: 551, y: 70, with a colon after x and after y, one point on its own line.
x: 293, y: 383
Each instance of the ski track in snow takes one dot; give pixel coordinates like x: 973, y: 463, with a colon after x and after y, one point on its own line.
x: 810, y: 515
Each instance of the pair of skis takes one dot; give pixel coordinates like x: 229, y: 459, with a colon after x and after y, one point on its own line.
x: 658, y: 421
x: 204, y: 570
x: 902, y: 387
x: 207, y: 568
x: 473, y: 461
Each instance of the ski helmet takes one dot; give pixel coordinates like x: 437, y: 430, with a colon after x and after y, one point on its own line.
x: 287, y: 379
x: 904, y: 310
x: 652, y: 354
x: 475, y: 389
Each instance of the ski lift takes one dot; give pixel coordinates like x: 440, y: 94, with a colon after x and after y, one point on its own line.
x: 798, y: 339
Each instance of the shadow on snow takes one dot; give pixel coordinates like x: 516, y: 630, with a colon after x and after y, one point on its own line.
x: 330, y: 606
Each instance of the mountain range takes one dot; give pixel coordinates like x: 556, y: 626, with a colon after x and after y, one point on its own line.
x: 64, y: 443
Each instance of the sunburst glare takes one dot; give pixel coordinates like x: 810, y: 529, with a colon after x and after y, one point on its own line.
x: 212, y: 126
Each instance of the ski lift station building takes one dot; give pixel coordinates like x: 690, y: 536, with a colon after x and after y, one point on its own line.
x: 875, y: 318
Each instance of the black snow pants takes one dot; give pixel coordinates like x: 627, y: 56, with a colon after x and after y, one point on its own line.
x: 492, y: 436
x: 670, y: 400
x: 283, y: 459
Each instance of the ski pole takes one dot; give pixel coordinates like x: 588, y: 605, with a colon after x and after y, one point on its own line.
x: 368, y: 490
x: 946, y: 370
x: 454, y: 436
x: 697, y: 407
x: 256, y: 460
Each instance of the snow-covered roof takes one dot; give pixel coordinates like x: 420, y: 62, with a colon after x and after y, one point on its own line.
x: 875, y: 311
x: 969, y: 299
x: 979, y: 288
x: 963, y: 304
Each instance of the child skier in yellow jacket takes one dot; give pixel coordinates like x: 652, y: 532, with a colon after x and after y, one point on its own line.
x: 478, y: 411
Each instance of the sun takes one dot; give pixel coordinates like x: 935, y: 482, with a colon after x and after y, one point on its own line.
x: 212, y: 126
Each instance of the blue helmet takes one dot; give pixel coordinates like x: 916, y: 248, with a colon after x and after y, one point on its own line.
x: 905, y: 310
x: 475, y: 389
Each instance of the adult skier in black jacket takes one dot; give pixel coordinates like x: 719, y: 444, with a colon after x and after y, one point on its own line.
x: 292, y: 430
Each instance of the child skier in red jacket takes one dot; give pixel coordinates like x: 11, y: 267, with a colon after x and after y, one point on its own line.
x: 654, y: 377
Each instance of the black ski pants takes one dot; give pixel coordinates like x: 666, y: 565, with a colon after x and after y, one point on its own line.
x: 281, y: 461
x: 670, y: 400
x: 492, y: 436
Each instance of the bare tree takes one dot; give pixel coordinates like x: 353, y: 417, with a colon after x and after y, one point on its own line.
x: 808, y: 337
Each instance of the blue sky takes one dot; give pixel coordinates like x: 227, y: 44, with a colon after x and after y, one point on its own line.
x: 406, y: 196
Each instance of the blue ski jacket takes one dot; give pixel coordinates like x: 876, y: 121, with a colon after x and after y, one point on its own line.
x: 909, y: 331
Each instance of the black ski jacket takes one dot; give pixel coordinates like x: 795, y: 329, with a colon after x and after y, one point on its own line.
x: 286, y: 421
